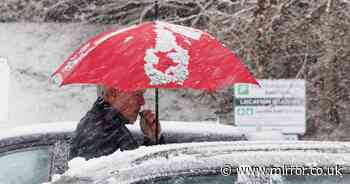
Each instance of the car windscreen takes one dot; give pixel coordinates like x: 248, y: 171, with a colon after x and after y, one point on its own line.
x: 212, y: 179
x: 25, y: 166
x: 276, y: 179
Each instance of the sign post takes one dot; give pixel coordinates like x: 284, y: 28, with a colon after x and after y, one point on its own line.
x: 4, y: 92
x: 278, y: 105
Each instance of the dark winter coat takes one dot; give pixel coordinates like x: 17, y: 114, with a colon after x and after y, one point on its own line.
x: 101, y: 132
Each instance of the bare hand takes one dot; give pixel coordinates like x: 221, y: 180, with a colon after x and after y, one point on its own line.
x: 148, y: 124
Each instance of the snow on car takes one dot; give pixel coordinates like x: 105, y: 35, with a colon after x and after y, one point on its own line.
x: 204, y: 163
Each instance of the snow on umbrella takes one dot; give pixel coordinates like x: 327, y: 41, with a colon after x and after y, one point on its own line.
x: 154, y: 55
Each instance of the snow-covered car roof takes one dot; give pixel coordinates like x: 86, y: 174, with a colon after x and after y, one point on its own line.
x: 188, y: 131
x: 163, y: 160
x: 39, y: 128
x: 191, y: 129
x: 174, y: 132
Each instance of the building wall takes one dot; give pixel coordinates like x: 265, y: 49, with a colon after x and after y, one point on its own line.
x: 33, y: 52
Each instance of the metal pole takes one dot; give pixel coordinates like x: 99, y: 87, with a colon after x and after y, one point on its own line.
x: 156, y: 10
x: 157, y: 115
x: 156, y: 90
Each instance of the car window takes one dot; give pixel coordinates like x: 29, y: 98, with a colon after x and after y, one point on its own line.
x: 26, y: 166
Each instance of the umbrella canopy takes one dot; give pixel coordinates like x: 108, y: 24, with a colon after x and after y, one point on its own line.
x: 154, y: 55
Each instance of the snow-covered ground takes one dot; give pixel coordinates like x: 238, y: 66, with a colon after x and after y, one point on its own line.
x: 34, y: 51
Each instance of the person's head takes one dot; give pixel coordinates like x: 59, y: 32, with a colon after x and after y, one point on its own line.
x: 127, y: 103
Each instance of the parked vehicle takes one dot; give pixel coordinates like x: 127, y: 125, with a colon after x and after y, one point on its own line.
x: 217, y: 162
x: 33, y: 154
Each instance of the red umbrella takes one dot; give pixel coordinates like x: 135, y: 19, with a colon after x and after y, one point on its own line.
x: 154, y: 55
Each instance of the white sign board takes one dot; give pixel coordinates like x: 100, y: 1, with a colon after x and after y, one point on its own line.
x: 4, y: 92
x: 277, y: 105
